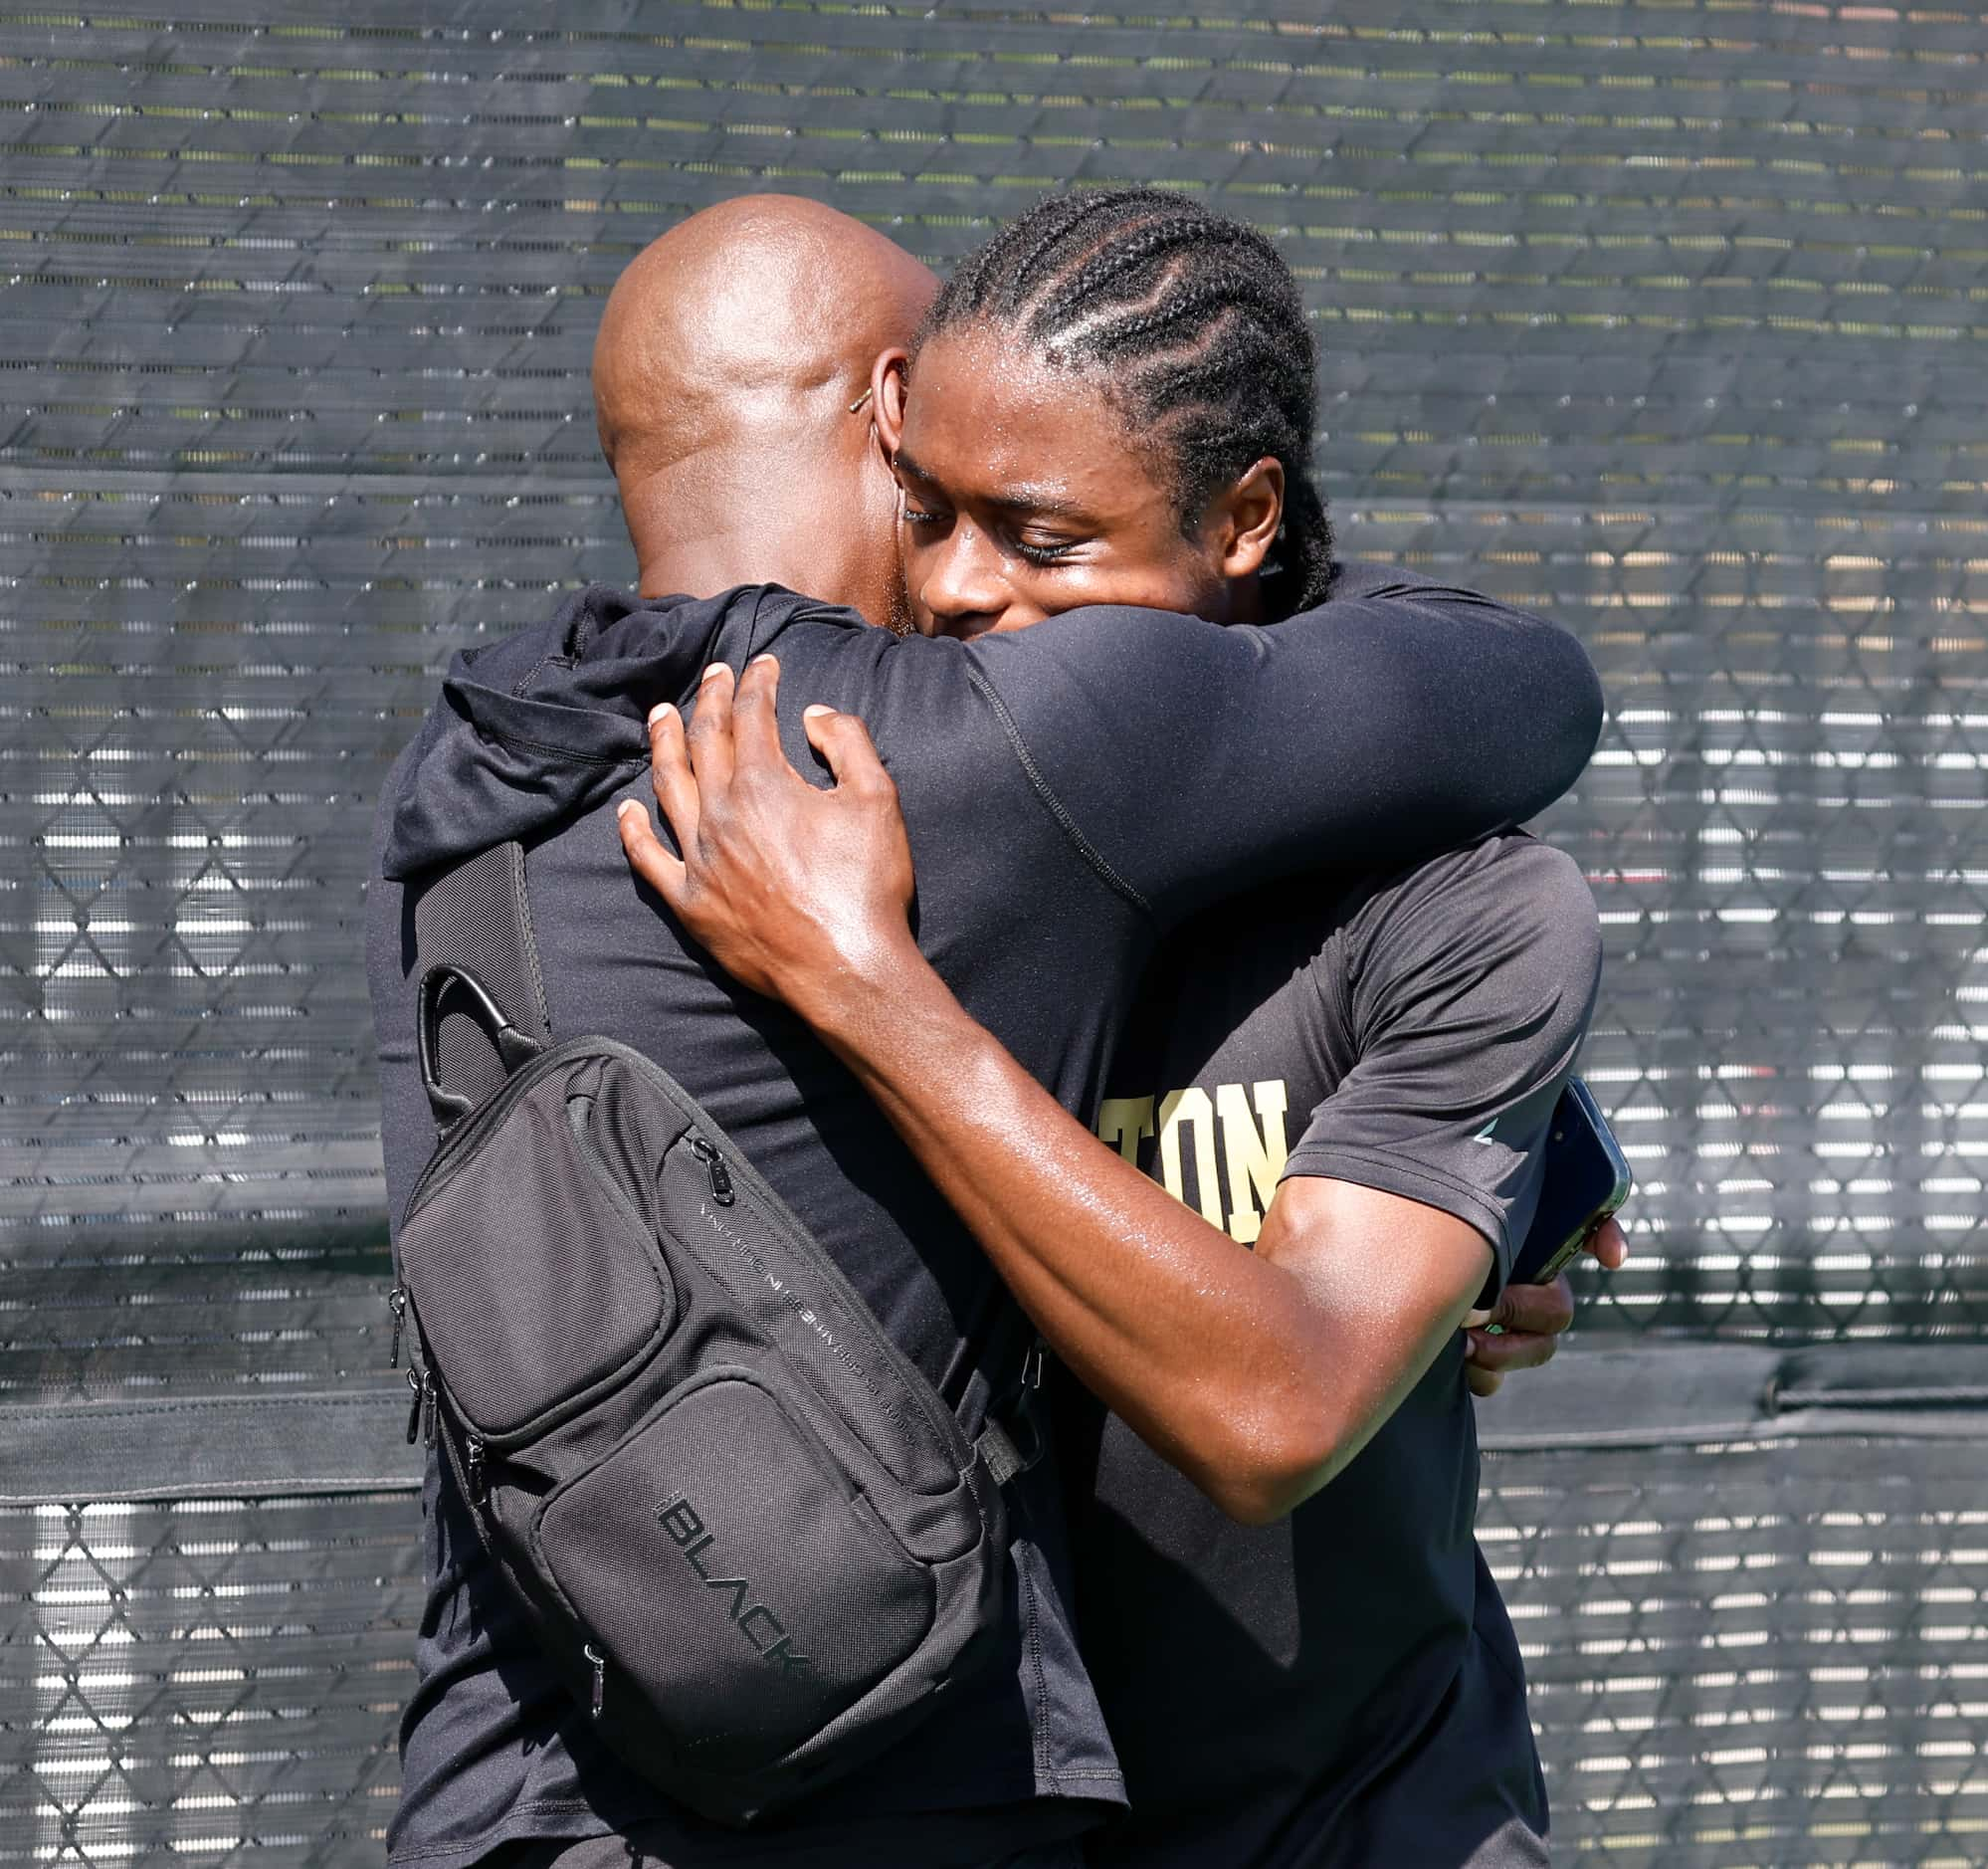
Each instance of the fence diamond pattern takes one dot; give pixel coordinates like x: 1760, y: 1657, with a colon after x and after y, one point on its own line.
x: 1666, y: 318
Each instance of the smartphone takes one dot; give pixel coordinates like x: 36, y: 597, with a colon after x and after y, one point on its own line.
x: 1586, y: 1180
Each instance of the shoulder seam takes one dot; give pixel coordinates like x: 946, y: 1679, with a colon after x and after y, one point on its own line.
x: 1055, y: 805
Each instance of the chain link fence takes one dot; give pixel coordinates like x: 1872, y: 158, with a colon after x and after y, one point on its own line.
x: 1666, y: 319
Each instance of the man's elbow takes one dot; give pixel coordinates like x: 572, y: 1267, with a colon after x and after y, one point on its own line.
x: 1586, y: 708
x: 1272, y: 1468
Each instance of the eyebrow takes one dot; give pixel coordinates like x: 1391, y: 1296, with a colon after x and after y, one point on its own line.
x: 1021, y: 498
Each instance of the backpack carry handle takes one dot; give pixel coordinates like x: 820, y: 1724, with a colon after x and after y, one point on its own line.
x: 514, y: 1048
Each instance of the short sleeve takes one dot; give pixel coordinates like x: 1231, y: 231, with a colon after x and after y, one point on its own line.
x: 1469, y: 984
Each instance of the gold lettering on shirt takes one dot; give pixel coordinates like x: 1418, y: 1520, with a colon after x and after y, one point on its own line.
x: 1190, y: 1109
x: 1125, y: 1121
x: 1255, y: 1145
x: 1254, y: 1157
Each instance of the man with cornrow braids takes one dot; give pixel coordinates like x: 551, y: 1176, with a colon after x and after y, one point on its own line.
x: 1304, y: 1659
x: 1198, y: 322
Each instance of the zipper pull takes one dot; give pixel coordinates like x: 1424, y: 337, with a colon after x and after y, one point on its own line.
x: 426, y: 1407
x: 415, y: 1384
x: 397, y: 1304
x: 722, y: 1188
x: 599, y: 1662
x: 473, y: 1455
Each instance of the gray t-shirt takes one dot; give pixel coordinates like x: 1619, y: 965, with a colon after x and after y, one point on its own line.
x: 1341, y: 1688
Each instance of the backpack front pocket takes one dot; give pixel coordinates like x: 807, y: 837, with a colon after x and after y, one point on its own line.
x: 534, y: 1278
x: 737, y: 1587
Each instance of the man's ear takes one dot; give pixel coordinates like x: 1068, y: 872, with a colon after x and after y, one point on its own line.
x: 1243, y: 520
x: 890, y: 377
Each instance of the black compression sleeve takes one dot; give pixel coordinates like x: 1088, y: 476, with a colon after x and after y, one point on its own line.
x: 1191, y: 760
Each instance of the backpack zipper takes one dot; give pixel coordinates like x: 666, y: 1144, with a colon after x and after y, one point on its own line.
x: 420, y: 1412
x: 397, y: 1304
x: 468, y: 1451
x: 722, y: 1190
x: 599, y: 1664
x: 455, y: 1146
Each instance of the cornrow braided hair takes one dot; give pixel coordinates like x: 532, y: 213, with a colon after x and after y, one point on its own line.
x: 1194, y: 326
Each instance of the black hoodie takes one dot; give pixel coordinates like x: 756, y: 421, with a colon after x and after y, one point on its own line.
x: 1071, y: 791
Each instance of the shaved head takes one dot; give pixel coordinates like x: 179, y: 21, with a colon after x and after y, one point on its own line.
x: 729, y: 358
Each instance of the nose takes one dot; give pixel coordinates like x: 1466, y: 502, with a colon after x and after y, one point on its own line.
x: 963, y: 589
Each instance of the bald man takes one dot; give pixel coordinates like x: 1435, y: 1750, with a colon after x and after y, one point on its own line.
x: 1059, y: 820
x: 731, y: 374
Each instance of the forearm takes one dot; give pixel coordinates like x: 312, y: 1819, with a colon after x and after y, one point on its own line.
x: 1365, y: 733
x: 1452, y: 716
x: 1220, y: 1359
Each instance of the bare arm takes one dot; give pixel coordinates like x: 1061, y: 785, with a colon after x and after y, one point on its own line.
x: 1258, y: 1375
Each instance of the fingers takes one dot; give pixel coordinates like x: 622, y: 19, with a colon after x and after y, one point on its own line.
x: 1511, y: 1350
x: 1520, y: 1332
x: 710, y: 734
x: 1527, y: 1308
x: 646, y: 855
x: 755, y: 717
x: 841, y: 739
x: 1609, y: 1247
x: 669, y: 774
x: 844, y: 741
x: 1547, y: 1309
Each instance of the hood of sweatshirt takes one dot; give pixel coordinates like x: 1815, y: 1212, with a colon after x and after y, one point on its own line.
x: 548, y: 724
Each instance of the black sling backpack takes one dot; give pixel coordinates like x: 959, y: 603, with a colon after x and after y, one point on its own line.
x: 751, y: 1533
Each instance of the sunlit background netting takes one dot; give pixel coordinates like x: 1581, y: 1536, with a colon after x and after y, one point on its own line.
x: 1666, y: 319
